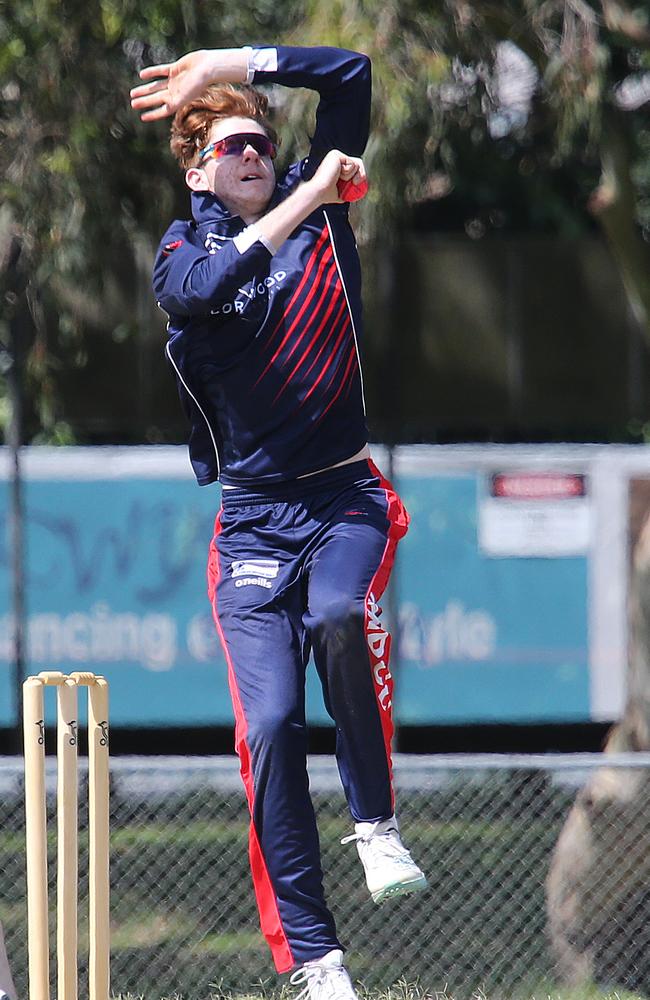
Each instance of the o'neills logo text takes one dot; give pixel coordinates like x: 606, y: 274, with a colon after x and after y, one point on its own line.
x: 379, y: 646
x: 255, y: 572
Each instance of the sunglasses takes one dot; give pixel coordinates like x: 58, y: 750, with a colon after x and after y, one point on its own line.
x: 234, y: 145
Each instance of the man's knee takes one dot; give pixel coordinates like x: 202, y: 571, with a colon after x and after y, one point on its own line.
x: 338, y: 617
x: 273, y: 727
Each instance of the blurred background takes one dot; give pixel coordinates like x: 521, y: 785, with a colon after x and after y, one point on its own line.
x: 506, y: 251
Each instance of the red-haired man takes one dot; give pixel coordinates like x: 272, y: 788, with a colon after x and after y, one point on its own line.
x: 263, y: 291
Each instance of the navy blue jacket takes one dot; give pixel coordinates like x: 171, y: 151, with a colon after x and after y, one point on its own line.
x: 265, y: 347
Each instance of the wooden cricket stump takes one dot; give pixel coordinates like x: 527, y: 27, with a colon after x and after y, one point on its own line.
x: 67, y: 834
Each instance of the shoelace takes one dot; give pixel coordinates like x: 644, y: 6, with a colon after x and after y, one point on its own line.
x: 320, y: 977
x: 366, y: 836
x: 383, y: 842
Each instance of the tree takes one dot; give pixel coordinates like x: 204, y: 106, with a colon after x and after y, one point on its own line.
x: 544, y: 98
x: 84, y: 186
x: 559, y: 127
x: 492, y: 117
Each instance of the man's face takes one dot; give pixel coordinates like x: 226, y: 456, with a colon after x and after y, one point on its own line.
x: 244, y: 181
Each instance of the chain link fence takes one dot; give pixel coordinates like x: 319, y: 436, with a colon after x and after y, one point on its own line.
x: 538, y: 868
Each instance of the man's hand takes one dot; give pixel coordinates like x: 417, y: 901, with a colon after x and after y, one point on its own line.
x: 335, y: 167
x: 174, y: 84
x: 278, y: 224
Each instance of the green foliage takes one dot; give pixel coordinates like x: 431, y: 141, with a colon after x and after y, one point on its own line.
x: 434, y: 98
x: 82, y: 180
x: 408, y: 45
x: 80, y: 176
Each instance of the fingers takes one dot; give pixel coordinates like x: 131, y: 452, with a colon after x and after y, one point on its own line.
x: 152, y: 108
x: 350, y: 164
x: 158, y: 113
x: 360, y: 177
x: 149, y: 72
x: 143, y: 89
x: 352, y: 184
x: 344, y: 164
x: 152, y: 98
x: 345, y: 177
x: 149, y: 101
x: 352, y: 168
x: 153, y: 104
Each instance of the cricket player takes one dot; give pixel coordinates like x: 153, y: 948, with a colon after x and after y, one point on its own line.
x: 262, y: 288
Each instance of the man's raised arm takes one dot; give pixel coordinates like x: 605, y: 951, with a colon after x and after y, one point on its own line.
x: 341, y: 78
x: 169, y: 86
x: 343, y: 81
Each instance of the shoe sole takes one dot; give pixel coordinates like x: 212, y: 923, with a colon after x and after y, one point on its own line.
x: 399, y: 889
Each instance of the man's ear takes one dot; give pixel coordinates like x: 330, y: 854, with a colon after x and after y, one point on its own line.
x: 196, y: 179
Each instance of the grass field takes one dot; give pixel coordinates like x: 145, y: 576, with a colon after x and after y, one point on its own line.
x: 411, y: 991
x: 157, y: 917
x: 185, y: 926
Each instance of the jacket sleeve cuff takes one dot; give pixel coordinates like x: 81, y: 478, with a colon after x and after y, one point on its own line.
x: 251, y: 235
x: 260, y: 59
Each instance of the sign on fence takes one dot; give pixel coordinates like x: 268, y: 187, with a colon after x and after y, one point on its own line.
x: 510, y: 587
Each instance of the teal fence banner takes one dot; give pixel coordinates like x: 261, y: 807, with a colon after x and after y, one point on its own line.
x: 484, y: 639
x: 491, y: 589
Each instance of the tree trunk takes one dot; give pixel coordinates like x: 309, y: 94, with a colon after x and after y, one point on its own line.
x: 598, y: 887
x: 614, y: 205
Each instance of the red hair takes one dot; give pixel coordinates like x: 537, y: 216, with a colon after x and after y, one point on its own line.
x: 191, y: 125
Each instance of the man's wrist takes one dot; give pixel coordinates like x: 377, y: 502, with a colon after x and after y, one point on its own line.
x: 250, y: 235
x: 264, y: 60
x: 225, y: 66
x: 250, y: 70
x: 273, y: 229
x: 311, y: 192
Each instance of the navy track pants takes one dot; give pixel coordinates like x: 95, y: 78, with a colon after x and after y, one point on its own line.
x: 296, y: 567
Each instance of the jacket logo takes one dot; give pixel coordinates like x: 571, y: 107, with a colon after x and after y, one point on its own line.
x: 254, y: 572
x: 212, y: 243
x: 170, y: 247
x: 266, y: 286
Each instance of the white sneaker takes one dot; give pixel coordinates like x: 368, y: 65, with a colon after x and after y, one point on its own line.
x: 390, y: 869
x: 324, y: 979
